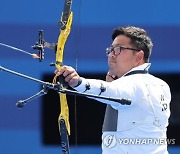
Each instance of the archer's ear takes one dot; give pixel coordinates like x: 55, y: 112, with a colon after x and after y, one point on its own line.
x: 140, y: 56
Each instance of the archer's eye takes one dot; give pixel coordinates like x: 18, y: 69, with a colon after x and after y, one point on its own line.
x: 117, y: 50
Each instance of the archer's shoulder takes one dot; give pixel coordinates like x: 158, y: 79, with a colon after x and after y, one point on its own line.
x: 157, y: 80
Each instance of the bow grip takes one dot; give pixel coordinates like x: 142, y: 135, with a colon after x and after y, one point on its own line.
x: 63, y: 83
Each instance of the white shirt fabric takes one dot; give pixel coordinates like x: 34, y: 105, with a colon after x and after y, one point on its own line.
x: 141, y: 126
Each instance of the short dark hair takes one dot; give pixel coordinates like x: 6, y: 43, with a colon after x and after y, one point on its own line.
x: 139, y: 38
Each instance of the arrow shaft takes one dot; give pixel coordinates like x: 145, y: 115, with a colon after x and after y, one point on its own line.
x: 17, y: 49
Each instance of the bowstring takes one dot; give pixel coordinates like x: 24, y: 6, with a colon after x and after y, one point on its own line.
x: 77, y: 40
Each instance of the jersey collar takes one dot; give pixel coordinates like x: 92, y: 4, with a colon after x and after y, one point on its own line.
x: 142, y: 69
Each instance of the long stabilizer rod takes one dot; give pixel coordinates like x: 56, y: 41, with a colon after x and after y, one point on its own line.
x: 46, y: 84
x: 57, y: 87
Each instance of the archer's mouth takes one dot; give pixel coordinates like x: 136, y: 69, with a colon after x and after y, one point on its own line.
x: 112, y: 62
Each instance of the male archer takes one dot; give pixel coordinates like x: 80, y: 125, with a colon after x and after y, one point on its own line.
x: 146, y: 119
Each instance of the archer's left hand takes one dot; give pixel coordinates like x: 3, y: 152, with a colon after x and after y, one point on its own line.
x: 70, y: 75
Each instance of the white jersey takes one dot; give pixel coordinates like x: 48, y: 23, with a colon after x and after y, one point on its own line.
x: 137, y: 128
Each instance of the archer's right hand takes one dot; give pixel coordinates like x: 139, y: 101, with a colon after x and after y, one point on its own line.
x: 110, y: 77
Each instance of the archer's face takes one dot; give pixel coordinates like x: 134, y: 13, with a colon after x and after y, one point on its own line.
x: 125, y: 60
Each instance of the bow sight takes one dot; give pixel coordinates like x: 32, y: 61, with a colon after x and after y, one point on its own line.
x: 41, y: 44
